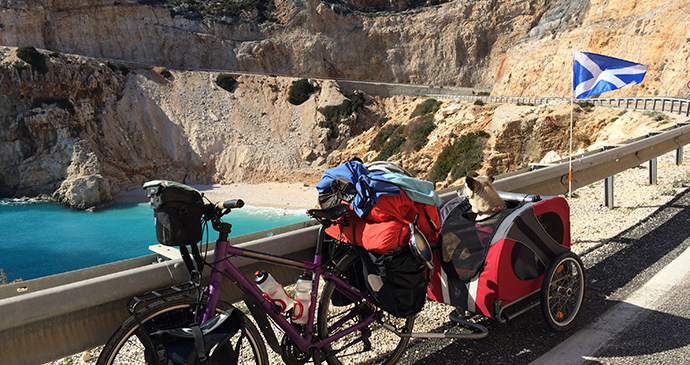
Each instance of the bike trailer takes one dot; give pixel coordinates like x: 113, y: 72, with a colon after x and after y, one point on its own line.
x: 495, y: 267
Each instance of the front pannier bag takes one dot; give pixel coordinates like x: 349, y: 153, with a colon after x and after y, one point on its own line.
x: 177, y: 211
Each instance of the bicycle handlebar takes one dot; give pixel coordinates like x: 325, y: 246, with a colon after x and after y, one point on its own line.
x: 231, y: 204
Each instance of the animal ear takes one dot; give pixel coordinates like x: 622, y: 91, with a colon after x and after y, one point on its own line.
x: 471, y: 183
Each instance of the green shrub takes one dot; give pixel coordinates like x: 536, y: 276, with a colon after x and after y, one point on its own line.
x: 380, y: 140
x: 226, y: 82
x: 483, y: 93
x: 20, y: 65
x: 584, y: 139
x: 418, y: 131
x: 655, y: 115
x: 462, y: 158
x: 30, y: 55
x: 390, y: 148
x: 335, y: 113
x: 478, y: 102
x: 429, y: 106
x: 300, y: 91
x: 382, y: 121
x: 586, y: 105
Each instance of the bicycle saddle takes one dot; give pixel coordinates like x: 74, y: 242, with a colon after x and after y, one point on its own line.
x: 332, y: 213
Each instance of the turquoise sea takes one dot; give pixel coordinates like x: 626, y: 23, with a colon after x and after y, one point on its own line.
x: 39, y: 239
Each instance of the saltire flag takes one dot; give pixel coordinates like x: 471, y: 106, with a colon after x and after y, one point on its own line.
x: 594, y: 74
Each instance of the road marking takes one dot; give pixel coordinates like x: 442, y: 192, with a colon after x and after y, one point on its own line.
x: 581, y: 346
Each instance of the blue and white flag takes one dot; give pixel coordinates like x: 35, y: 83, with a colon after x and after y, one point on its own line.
x: 594, y: 74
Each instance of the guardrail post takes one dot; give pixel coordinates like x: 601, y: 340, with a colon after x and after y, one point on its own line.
x: 654, y: 105
x: 608, y: 192
x: 652, y: 171
x: 679, y: 156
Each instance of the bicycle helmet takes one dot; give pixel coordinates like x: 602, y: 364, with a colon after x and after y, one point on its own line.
x: 387, y: 167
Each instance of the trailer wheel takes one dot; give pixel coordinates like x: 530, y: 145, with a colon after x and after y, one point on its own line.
x: 563, y: 291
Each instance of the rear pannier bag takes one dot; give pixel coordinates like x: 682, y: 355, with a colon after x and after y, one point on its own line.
x: 396, y: 280
x: 177, y: 210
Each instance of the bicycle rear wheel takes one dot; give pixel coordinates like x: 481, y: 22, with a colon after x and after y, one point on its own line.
x: 371, y: 345
x: 129, y: 346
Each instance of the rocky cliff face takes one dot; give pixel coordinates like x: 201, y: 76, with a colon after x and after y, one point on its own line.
x: 83, y: 130
x: 458, y: 43
x: 518, y: 47
x: 80, y: 130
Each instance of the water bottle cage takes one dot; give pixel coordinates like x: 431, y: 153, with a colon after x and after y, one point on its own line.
x: 278, y: 305
x: 297, y: 311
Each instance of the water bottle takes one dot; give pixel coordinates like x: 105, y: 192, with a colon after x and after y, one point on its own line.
x: 273, y: 291
x: 300, y: 311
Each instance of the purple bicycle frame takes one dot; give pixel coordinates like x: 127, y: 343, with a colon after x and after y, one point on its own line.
x: 222, y: 263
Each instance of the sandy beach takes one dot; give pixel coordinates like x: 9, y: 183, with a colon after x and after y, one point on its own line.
x: 274, y: 195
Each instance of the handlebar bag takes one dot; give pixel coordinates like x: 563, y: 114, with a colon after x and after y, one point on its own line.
x: 177, y: 210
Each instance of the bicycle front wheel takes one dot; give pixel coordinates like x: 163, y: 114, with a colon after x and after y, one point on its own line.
x: 371, y: 345
x: 128, y: 344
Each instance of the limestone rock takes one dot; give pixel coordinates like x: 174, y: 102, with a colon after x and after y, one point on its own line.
x: 84, y: 192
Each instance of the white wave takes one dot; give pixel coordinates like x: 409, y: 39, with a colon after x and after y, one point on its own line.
x: 22, y: 201
x: 265, y: 212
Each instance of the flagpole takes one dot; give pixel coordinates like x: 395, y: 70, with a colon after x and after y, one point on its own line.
x: 570, y: 155
x: 570, y: 158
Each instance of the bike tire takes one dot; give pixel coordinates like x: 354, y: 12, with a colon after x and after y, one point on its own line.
x: 563, y: 291
x: 126, y: 346
x: 367, y: 345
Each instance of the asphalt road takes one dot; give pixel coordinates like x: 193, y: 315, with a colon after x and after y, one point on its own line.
x: 654, y: 332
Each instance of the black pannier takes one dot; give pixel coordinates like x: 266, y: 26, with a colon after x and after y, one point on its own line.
x: 397, y: 280
x: 177, y: 211
x: 211, y: 345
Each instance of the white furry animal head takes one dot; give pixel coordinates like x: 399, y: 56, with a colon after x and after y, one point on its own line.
x: 483, y: 196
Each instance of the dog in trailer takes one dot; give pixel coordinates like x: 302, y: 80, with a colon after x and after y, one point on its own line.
x: 485, y: 201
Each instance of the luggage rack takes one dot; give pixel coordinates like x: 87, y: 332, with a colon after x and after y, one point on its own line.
x: 189, y: 288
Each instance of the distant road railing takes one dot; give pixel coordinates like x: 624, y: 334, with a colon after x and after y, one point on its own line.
x: 665, y: 104
x: 467, y: 94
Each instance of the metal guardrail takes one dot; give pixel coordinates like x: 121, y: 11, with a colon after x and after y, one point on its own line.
x: 49, y: 318
x: 671, y: 105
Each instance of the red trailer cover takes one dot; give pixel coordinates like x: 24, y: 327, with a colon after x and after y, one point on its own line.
x: 523, y: 243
